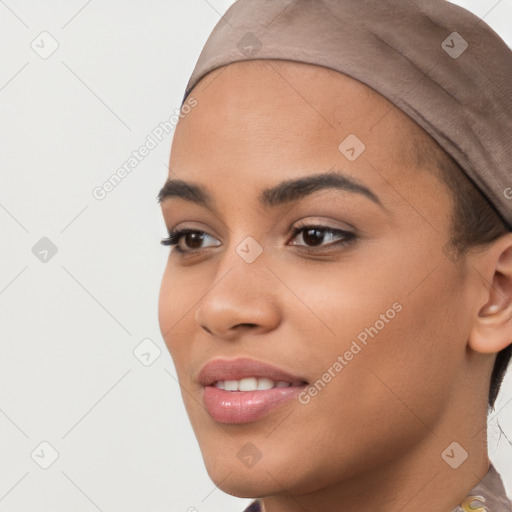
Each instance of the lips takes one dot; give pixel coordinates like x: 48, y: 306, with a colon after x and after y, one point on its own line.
x: 239, y: 407
x: 240, y: 368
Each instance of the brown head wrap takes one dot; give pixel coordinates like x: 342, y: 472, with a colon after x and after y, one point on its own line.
x: 441, y: 65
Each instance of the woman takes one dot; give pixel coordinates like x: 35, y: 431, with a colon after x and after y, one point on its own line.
x: 338, y: 297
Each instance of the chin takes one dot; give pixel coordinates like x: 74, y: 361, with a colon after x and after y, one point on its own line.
x: 241, y: 484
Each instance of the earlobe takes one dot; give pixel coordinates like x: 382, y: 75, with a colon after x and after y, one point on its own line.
x: 492, y: 329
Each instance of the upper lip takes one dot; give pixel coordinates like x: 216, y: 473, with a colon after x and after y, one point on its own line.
x: 242, y: 367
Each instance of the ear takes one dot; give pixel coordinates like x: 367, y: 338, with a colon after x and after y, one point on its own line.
x: 492, y: 329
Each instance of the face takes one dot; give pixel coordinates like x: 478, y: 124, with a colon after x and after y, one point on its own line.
x: 363, y: 304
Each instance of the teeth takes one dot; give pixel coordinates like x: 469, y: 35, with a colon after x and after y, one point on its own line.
x: 250, y: 384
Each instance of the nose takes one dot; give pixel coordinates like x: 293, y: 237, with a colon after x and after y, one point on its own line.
x: 242, y: 298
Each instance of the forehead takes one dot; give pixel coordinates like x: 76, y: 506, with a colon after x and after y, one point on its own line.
x: 259, y: 122
x: 250, y: 104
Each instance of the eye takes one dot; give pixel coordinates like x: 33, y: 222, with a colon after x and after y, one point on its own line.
x: 315, y: 235
x: 193, y: 236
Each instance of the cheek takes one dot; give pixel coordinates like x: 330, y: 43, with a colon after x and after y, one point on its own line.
x: 175, y: 305
x: 179, y: 299
x: 178, y: 295
x: 164, y: 307
x: 400, y: 326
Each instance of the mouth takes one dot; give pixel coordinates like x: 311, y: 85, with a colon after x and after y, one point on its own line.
x: 245, y: 374
x: 255, y: 384
x: 245, y: 390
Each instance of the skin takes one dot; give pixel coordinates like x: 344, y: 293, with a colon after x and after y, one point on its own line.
x: 372, y: 438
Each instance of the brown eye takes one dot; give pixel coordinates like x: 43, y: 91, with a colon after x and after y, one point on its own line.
x: 314, y: 235
x: 193, y: 239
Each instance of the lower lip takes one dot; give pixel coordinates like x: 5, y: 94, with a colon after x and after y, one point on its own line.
x: 245, y: 406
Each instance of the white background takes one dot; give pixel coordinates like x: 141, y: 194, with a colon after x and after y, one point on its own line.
x: 69, y: 326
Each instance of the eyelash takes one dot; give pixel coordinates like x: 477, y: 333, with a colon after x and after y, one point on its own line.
x: 175, y: 236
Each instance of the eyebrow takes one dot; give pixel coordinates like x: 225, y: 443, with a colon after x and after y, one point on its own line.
x: 284, y: 192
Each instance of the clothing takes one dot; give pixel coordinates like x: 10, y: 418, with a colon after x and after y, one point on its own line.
x: 437, y: 62
x: 488, y: 495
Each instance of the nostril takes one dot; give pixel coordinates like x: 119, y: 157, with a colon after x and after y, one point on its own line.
x: 236, y: 326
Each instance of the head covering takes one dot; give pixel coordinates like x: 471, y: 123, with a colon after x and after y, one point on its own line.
x: 437, y: 62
